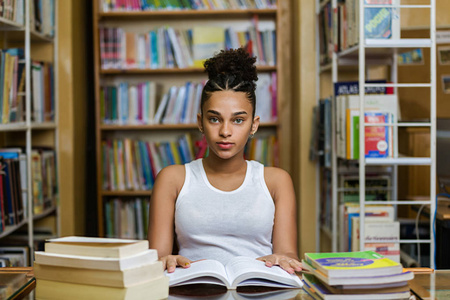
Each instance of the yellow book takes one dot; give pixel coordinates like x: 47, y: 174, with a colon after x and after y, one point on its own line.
x: 7, y: 86
x: 176, y: 154
x: 206, y: 41
x: 153, y: 289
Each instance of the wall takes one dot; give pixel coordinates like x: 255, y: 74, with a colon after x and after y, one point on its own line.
x: 72, y: 105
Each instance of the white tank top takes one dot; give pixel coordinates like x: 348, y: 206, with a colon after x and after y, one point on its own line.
x: 214, y: 224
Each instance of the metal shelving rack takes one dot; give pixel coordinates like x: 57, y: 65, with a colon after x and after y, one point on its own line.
x: 384, y: 52
x: 23, y: 34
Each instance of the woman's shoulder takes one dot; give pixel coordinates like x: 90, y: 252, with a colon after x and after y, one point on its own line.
x: 172, y: 176
x: 276, y: 178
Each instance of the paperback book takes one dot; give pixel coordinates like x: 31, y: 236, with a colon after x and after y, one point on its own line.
x: 239, y: 271
x: 353, y: 264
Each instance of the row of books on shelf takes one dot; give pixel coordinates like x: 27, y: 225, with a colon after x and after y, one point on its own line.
x: 339, y: 28
x: 126, y: 217
x: 133, y: 164
x: 382, y: 232
x: 378, y: 184
x: 12, y: 10
x: 99, y: 268
x: 13, y: 184
x: 12, y: 88
x: 168, y: 47
x: 125, y: 103
x: 42, y: 14
x: 14, y: 256
x: 149, y: 5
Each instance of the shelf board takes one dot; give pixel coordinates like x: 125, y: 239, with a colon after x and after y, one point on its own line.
x: 186, y: 14
x: 165, y: 126
x: 135, y: 71
x: 400, y: 161
x: 43, y: 125
x: 11, y: 25
x: 45, y: 213
x: 37, y: 37
x: 10, y: 229
x: 126, y: 193
x: 398, y: 43
x: 19, y: 126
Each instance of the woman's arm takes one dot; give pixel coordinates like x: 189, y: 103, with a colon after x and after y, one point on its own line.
x: 167, y: 186
x: 284, y: 239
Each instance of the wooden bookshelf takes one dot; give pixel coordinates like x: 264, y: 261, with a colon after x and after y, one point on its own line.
x: 31, y: 127
x: 280, y: 17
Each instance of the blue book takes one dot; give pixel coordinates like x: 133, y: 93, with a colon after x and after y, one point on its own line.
x: 154, y: 49
x: 352, y: 88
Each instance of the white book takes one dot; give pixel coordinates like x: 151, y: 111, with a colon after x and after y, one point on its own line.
x: 161, y: 108
x: 377, y: 229
x: 239, y: 271
x: 99, y: 263
x: 94, y: 246
x: 36, y: 70
x: 264, y: 96
x: 178, y: 51
x: 133, y: 105
x: 179, y: 105
x: 196, y: 110
x: 168, y: 116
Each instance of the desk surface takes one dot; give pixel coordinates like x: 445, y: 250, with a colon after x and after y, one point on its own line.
x: 432, y: 285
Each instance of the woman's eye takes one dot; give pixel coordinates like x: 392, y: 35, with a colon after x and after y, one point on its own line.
x: 239, y: 121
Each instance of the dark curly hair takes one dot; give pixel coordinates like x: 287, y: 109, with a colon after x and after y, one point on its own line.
x: 231, y: 70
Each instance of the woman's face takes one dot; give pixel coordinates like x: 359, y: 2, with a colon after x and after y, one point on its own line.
x: 227, y: 123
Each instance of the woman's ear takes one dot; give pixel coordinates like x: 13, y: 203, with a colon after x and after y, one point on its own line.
x: 255, y: 125
x: 200, y: 122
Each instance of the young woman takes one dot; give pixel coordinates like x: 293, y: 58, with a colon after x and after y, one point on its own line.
x: 224, y: 206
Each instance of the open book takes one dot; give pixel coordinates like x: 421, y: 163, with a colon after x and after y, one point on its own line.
x: 239, y: 271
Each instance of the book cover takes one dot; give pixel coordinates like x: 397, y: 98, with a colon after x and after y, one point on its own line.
x: 377, y: 140
x: 206, y: 41
x: 363, y: 263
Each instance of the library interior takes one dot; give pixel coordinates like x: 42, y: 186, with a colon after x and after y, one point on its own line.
x: 97, y: 97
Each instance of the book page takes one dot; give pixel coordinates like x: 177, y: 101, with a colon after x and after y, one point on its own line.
x: 244, y: 271
x: 203, y: 271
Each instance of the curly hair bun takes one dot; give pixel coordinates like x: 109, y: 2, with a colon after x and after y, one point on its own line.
x: 234, y: 62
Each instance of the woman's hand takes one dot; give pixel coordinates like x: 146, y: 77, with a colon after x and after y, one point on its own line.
x: 170, y: 262
x: 287, y: 263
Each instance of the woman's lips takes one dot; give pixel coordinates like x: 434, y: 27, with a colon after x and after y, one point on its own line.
x: 225, y: 145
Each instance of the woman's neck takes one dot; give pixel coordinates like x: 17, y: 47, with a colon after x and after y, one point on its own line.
x: 214, y: 164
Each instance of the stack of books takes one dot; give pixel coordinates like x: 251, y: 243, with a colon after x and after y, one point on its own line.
x: 354, y: 275
x: 99, y: 268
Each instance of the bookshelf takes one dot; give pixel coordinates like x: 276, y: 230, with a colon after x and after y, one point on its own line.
x: 275, y: 18
x: 29, y: 127
x: 348, y: 54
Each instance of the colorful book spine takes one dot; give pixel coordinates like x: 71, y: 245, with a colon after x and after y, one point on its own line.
x: 133, y: 164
